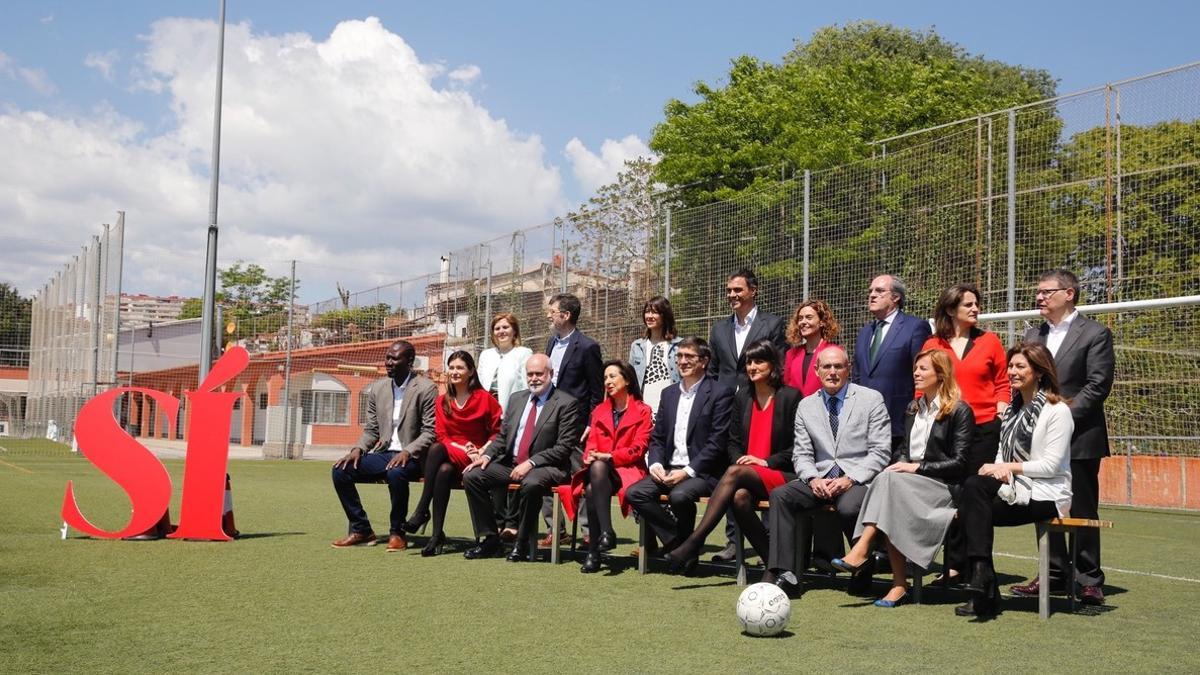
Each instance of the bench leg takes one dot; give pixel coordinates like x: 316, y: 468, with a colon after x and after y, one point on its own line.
x: 643, y: 530
x: 804, y: 527
x: 739, y: 551
x: 555, y: 519
x: 1073, y: 544
x: 1044, y: 573
x: 918, y: 581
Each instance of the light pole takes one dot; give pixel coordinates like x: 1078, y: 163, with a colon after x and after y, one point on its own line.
x: 210, y: 264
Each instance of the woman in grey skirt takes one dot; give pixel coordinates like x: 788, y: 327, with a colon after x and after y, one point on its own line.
x: 912, y: 501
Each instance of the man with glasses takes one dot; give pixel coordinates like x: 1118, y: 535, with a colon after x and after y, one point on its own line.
x: 687, y: 452
x: 1083, y: 357
x: 843, y: 440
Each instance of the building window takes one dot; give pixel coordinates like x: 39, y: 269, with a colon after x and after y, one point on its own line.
x: 325, y: 407
x: 262, y: 400
x: 363, y: 396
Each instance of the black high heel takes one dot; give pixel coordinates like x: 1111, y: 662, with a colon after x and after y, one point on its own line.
x: 983, y: 590
x: 417, y: 522
x: 434, y: 546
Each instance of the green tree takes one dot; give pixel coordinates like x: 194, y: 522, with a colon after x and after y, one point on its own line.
x: 16, y: 314
x: 353, y: 324
x: 255, y: 302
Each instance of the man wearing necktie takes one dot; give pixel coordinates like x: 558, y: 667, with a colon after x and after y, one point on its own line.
x: 537, y: 447
x: 843, y: 439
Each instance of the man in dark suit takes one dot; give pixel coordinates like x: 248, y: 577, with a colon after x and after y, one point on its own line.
x: 575, y: 357
x: 886, y: 348
x: 399, y: 427
x: 537, y: 446
x: 729, y: 337
x: 1083, y: 356
x: 687, y: 452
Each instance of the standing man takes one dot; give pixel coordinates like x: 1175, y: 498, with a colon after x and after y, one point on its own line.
x: 843, y: 440
x: 399, y: 427
x: 687, y: 452
x: 536, y: 447
x: 1083, y: 356
x: 886, y: 348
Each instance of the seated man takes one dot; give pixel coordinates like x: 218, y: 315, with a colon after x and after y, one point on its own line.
x: 399, y: 427
x: 537, y: 446
x: 687, y: 452
x: 843, y: 439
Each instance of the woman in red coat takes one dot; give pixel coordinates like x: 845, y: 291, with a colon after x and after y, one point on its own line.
x: 614, y: 459
x: 812, y: 328
x: 467, y: 419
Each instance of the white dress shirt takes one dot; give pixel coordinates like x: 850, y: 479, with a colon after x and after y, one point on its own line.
x: 397, y: 401
x: 679, y: 453
x: 887, y: 325
x: 1058, y: 333
x: 557, y: 352
x: 742, y: 330
x: 922, y: 427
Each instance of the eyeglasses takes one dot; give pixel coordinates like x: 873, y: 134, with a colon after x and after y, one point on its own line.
x: 1047, y: 292
x: 833, y: 366
x: 687, y: 357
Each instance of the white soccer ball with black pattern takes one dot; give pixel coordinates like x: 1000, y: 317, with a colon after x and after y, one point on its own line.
x: 763, y: 609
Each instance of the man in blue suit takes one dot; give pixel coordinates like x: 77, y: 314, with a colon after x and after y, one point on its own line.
x: 887, y: 347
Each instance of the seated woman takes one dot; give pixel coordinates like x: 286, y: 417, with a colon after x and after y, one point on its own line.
x: 812, y: 329
x: 614, y: 459
x: 911, y: 502
x: 467, y: 419
x: 761, y: 436
x: 1030, y: 480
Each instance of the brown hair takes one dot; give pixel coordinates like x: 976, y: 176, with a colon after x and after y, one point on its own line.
x: 661, y: 307
x: 630, y: 375
x: 948, y: 391
x: 1042, y: 362
x: 512, y: 321
x: 473, y: 382
x: 947, y: 305
x: 829, y: 329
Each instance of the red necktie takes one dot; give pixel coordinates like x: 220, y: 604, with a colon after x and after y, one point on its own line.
x: 527, y: 435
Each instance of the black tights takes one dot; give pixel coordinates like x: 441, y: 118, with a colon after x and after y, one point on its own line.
x: 740, y: 488
x: 439, y: 479
x: 600, y: 490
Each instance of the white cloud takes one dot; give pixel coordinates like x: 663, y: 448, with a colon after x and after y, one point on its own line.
x: 103, y: 62
x: 340, y: 151
x: 594, y: 170
x: 465, y: 74
x: 36, y: 78
x: 49, y: 18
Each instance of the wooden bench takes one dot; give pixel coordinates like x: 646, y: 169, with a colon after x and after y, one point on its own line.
x: 1069, y: 526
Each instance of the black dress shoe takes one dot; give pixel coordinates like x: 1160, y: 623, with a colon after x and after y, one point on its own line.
x: 591, y: 563
x: 793, y: 591
x: 984, y: 592
x: 519, y: 553
x: 607, y: 542
x: 488, y: 548
x: 966, y: 609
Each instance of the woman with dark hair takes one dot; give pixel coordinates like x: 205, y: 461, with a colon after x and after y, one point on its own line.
x: 812, y: 328
x: 614, y: 458
x: 1030, y: 479
x: 653, y: 355
x: 980, y: 370
x: 502, y: 366
x: 761, y: 436
x: 467, y: 419
x: 911, y: 502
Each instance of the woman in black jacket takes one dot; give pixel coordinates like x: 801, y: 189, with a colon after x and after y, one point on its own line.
x: 912, y: 501
x: 761, y: 436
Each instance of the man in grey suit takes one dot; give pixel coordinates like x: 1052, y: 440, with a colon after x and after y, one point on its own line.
x: 537, y: 446
x: 1083, y: 356
x: 399, y: 427
x: 843, y: 439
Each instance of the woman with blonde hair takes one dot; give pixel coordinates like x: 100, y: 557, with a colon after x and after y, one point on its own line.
x: 812, y: 328
x: 502, y: 366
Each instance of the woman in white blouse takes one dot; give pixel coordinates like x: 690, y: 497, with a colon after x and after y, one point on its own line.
x: 502, y: 367
x: 912, y: 501
x: 1030, y: 480
x: 653, y: 355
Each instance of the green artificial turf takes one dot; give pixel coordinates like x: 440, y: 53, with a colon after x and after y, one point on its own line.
x: 281, y: 600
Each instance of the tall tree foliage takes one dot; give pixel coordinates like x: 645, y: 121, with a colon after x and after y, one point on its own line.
x: 15, y: 317
x: 255, y: 302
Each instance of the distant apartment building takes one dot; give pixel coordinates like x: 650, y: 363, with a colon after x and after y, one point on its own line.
x: 141, y: 310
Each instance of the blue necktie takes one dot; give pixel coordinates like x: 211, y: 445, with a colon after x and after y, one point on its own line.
x: 832, y: 404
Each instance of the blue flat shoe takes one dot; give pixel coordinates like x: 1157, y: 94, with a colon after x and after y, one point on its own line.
x: 845, y: 566
x: 882, y: 602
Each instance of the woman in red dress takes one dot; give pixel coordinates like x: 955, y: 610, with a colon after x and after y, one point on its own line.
x: 614, y: 459
x: 467, y: 419
x: 812, y: 328
x: 761, y: 436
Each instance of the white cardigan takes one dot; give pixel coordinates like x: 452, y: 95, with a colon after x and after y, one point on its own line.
x: 508, y: 371
x: 1046, y: 477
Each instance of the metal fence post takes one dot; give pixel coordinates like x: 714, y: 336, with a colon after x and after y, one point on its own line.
x: 287, y: 370
x: 1012, y: 222
x: 807, y: 229
x: 485, y: 324
x: 667, y: 259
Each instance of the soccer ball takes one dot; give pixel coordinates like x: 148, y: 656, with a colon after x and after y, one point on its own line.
x: 763, y: 609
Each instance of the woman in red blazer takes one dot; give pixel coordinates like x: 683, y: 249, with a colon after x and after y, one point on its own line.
x: 812, y: 328
x: 614, y: 458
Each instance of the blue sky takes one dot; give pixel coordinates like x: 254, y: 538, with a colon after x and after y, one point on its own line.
x: 544, y: 72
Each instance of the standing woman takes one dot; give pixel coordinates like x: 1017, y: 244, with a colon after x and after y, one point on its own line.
x: 911, y: 502
x: 614, y: 459
x: 1030, y: 479
x: 467, y: 419
x: 812, y: 328
x: 761, y: 438
x: 653, y: 355
x: 502, y: 367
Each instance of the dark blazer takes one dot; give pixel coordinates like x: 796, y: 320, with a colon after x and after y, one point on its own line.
x: 783, y: 428
x: 948, y: 451
x: 1085, y: 363
x: 416, y: 423
x: 726, y: 364
x: 555, y: 435
x: 581, y: 373
x: 708, y: 429
x: 891, y: 372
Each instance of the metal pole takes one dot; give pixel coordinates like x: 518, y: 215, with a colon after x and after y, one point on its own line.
x: 1012, y: 221
x: 1120, y: 237
x: 120, y: 249
x: 807, y: 229
x: 97, y: 251
x: 565, y: 266
x: 667, y: 258
x: 990, y: 169
x: 287, y: 371
x: 487, y: 307
x: 210, y: 262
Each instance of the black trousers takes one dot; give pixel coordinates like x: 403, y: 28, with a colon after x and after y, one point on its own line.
x: 980, y: 510
x: 479, y: 484
x: 987, y: 439
x: 787, y: 501
x: 1085, y: 503
x: 644, y: 495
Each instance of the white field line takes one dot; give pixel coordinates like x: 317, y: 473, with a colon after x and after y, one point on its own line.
x: 1112, y: 569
